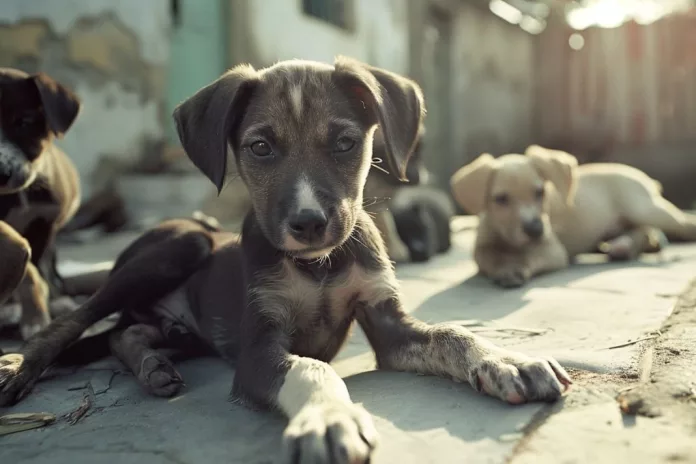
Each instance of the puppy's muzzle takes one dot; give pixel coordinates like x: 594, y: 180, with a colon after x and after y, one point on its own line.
x: 308, y: 226
x: 14, y: 179
x: 533, y: 228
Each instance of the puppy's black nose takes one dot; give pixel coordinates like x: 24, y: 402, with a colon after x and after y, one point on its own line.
x: 308, y: 225
x: 533, y: 228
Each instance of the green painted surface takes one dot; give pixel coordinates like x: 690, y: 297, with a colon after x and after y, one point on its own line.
x: 198, y: 52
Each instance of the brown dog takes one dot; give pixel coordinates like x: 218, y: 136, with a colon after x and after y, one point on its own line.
x: 539, y: 210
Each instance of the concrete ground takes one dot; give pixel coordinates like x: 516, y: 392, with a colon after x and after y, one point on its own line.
x: 611, y: 325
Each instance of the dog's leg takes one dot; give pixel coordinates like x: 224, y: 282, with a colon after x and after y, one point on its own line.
x: 15, y: 254
x: 134, y: 346
x: 657, y: 212
x: 404, y: 343
x: 146, y: 276
x: 33, y: 297
x: 398, y: 251
x: 514, y: 269
x: 324, y: 424
x: 632, y: 244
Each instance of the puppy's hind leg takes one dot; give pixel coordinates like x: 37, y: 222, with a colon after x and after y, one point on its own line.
x: 160, y: 263
x: 657, y: 212
x: 134, y: 346
x: 632, y: 244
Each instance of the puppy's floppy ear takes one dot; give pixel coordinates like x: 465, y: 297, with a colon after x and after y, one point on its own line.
x: 556, y: 166
x: 396, y: 102
x: 470, y: 183
x: 205, y: 120
x: 60, y: 104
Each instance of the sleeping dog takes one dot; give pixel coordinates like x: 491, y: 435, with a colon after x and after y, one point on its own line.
x: 540, y: 210
x: 39, y: 188
x: 279, y: 303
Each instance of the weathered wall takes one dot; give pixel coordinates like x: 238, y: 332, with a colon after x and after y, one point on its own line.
x: 493, y: 80
x: 264, y: 32
x: 627, y: 86
x: 489, y: 88
x: 113, y: 55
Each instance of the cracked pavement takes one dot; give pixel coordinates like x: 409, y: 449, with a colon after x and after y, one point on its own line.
x: 605, y: 322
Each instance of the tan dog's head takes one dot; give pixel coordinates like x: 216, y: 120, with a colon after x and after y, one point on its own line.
x: 513, y: 190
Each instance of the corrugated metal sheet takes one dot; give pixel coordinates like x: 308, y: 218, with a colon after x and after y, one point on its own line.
x: 629, y: 85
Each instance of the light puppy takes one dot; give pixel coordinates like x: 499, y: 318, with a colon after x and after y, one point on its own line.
x: 539, y: 210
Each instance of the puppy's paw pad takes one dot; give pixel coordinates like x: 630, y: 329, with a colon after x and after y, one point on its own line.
x: 516, y: 378
x: 16, y: 378
x: 158, y: 375
x: 338, y: 433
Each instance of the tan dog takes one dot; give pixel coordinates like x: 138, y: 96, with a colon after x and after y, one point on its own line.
x: 538, y: 210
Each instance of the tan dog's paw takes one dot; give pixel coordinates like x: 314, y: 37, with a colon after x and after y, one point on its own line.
x: 516, y: 378
x: 512, y: 278
x: 16, y: 378
x: 330, y: 433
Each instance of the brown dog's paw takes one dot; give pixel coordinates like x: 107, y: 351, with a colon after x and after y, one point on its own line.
x: 336, y: 432
x: 158, y: 376
x: 512, y: 278
x: 17, y: 378
x: 516, y: 378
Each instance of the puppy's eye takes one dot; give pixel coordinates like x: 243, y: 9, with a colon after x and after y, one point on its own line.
x: 539, y: 193
x: 501, y: 199
x: 261, y: 149
x: 344, y: 144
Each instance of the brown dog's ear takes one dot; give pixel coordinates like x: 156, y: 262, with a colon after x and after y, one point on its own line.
x: 60, y: 104
x: 205, y: 120
x: 470, y: 183
x: 556, y: 166
x: 396, y: 102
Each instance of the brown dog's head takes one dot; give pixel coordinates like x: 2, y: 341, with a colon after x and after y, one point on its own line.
x: 33, y: 110
x: 301, y: 136
x: 512, y: 190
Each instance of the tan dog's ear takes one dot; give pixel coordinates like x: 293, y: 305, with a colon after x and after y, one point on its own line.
x: 206, y: 120
x: 556, y: 166
x: 396, y: 104
x: 470, y: 183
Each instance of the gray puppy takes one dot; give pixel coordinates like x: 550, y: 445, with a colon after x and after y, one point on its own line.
x: 280, y: 303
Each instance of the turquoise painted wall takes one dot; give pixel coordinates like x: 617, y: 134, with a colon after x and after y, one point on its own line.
x: 198, y: 52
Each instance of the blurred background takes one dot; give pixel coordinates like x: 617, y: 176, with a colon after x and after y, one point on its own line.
x: 607, y: 80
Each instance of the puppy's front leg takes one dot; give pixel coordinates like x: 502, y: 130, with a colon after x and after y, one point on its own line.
x: 325, y: 426
x: 403, y: 343
x: 511, y: 269
x: 33, y: 295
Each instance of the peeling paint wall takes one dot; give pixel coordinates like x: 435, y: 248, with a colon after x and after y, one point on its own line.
x: 114, y: 55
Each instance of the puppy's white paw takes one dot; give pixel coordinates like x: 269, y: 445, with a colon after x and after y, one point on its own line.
x: 516, y: 378
x: 340, y: 433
